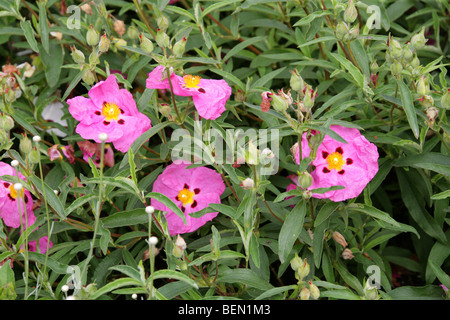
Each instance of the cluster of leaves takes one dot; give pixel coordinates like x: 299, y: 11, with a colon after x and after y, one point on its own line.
x: 399, y: 224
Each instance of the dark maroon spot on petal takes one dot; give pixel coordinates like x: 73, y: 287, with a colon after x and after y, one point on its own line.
x: 194, y: 204
x: 196, y: 190
x: 339, y: 150
x: 12, y: 199
x: 341, y: 172
x: 183, y: 209
x: 97, y: 161
x: 121, y: 111
x: 349, y: 161
x: 6, y: 184
x: 26, y: 199
x: 324, y: 154
x: 121, y: 121
x: 98, y: 113
x: 104, y: 102
x: 176, y: 198
x: 186, y: 186
x: 201, y: 90
x: 106, y: 123
x: 325, y: 170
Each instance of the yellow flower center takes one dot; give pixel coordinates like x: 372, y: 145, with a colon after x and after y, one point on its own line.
x: 191, y: 81
x: 111, y: 111
x: 13, y: 192
x: 335, y: 161
x: 186, y: 196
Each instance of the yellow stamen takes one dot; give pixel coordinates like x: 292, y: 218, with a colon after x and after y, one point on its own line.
x: 13, y: 192
x: 111, y: 111
x: 335, y: 161
x: 186, y: 196
x: 191, y: 81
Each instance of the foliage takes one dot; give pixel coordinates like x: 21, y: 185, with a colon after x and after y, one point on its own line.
x: 381, y: 80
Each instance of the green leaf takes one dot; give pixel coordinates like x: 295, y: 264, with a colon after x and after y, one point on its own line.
x: 52, y: 63
x: 291, y: 229
x: 350, y: 67
x: 274, y: 291
x: 171, y: 274
x: 224, y: 254
x: 43, y: 26
x: 408, y: 107
x: 236, y: 49
x: 350, y: 279
x: 29, y: 35
x: 325, y: 212
x: 246, y: 277
x: 429, y: 292
x: 126, y: 218
x: 79, y: 202
x: 119, y: 283
x: 52, y: 199
x: 433, y: 161
x: 441, y: 195
x: 214, y: 7
x: 373, y: 212
x: 168, y: 203
x: 73, y: 83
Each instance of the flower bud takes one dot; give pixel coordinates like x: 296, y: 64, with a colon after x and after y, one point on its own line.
x: 407, y: 54
x: 146, y: 44
x: 92, y: 36
x: 427, y: 101
x: 149, y: 209
x: 315, y: 292
x: 341, y: 30
x: 248, y: 183
x: 279, y: 103
x: 88, y: 77
x: 347, y: 254
x: 370, y: 292
x: 432, y: 114
x: 306, y: 194
x: 305, y: 293
x: 87, y: 8
x: 133, y: 33
x: 296, y: 82
x: 339, y: 238
x: 310, y: 95
x: 396, y: 69
x: 179, y: 247
x: 33, y: 156
x: 266, y: 101
x: 267, y: 153
x: 395, y: 49
x: 296, y: 262
x: 25, y: 145
x: 251, y: 156
x: 104, y: 43
x: 179, y: 46
x: 119, y: 44
x: 374, y: 66
x: 165, y: 109
x: 445, y: 100
x: 303, y: 270
x: 162, y: 39
x: 353, y: 33
x: 77, y: 55
x: 423, y: 87
x: 119, y: 27
x: 305, y: 180
x: 350, y: 14
x: 418, y: 41
x: 7, y: 122
x: 162, y: 22
x: 415, y: 62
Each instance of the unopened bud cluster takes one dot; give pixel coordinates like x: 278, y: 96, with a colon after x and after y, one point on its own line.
x: 345, y: 31
x: 306, y: 290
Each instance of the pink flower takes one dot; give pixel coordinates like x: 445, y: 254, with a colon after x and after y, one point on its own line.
x: 92, y: 150
x: 351, y: 165
x: 53, y: 153
x: 11, y: 199
x: 109, y: 110
x: 209, y: 95
x: 42, y: 246
x: 191, y: 190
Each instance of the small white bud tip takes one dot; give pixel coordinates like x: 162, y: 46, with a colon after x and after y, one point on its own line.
x: 149, y: 209
x: 55, y: 192
x: 71, y: 298
x: 65, y: 288
x: 134, y: 296
x: 103, y: 137
x: 18, y: 186
x: 14, y: 163
x: 36, y: 138
x: 153, y: 241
